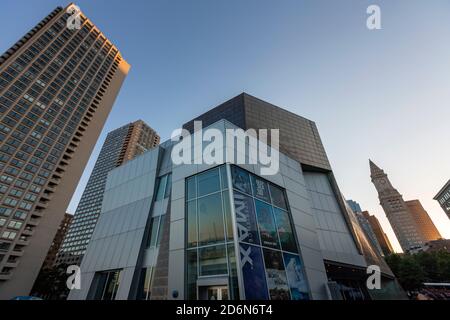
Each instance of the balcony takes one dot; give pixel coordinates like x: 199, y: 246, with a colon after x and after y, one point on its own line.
x: 33, y: 222
x: 16, y: 253
x: 12, y: 264
x: 5, y: 276
x: 28, y: 232
x: 37, y: 213
x: 23, y: 242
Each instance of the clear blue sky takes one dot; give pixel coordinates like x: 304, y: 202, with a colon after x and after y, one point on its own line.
x: 381, y: 94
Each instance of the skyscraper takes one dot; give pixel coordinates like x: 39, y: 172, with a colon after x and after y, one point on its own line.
x: 354, y: 205
x: 365, y: 224
x: 50, y: 259
x: 443, y: 197
x: 57, y: 87
x: 424, y: 223
x: 407, y: 221
x: 120, y: 146
x: 381, y: 236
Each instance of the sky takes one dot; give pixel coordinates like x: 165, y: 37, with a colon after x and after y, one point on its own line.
x: 378, y: 94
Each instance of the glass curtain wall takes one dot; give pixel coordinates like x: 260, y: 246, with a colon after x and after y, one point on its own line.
x: 270, y: 262
x: 271, y: 266
x: 209, y: 240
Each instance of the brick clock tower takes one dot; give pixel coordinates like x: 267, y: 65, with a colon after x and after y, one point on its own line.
x: 396, y: 210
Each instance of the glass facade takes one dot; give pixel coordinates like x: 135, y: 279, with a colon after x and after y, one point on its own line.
x: 209, y: 241
x: 269, y: 259
x: 270, y: 264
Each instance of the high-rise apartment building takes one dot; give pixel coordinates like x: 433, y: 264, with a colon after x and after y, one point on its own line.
x: 50, y: 259
x: 381, y: 236
x: 57, y: 87
x: 226, y: 231
x: 120, y: 146
x: 410, y: 222
x: 443, y: 197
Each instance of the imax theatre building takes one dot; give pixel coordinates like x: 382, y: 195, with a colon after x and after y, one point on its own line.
x: 197, y: 231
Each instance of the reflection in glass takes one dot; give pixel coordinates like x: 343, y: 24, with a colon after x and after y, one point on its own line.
x: 227, y: 212
x: 285, y: 231
x: 191, y: 188
x: 161, y: 188
x: 191, y: 274
x: 210, y: 219
x: 208, y: 182
x: 276, y: 276
x: 278, y: 198
x: 234, y: 283
x: 224, y: 177
x: 108, y: 284
x: 267, y: 228
x: 162, y: 220
x: 192, y: 223
x: 168, y: 186
x: 296, y: 277
x: 213, y: 261
x: 260, y: 189
x: 145, y: 285
x: 241, y: 180
x: 245, y: 218
x: 154, y: 231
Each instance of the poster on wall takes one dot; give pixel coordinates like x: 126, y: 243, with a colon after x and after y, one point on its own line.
x: 296, y: 277
x: 260, y: 189
x: 245, y: 218
x: 252, y: 265
x: 266, y: 222
x: 241, y: 180
x: 285, y: 230
x: 276, y: 275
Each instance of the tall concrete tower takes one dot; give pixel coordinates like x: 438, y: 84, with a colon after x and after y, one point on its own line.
x: 57, y: 87
x: 402, y: 222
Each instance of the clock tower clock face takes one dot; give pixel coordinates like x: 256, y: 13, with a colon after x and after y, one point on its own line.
x: 383, y: 184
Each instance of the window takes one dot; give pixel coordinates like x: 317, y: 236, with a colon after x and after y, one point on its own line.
x: 191, y: 186
x: 208, y: 182
x: 6, y: 212
x: 156, y: 231
x: 192, y: 223
x: 15, y: 224
x: 9, y: 235
x: 268, y: 240
x: 266, y: 222
x: 10, y: 202
x: 210, y: 219
x: 213, y: 261
x: 164, y: 187
x: 106, y: 285
x: 209, y: 231
x: 241, y: 179
x: 146, y: 283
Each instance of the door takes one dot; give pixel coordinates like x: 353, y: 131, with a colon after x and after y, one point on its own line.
x: 217, y: 293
